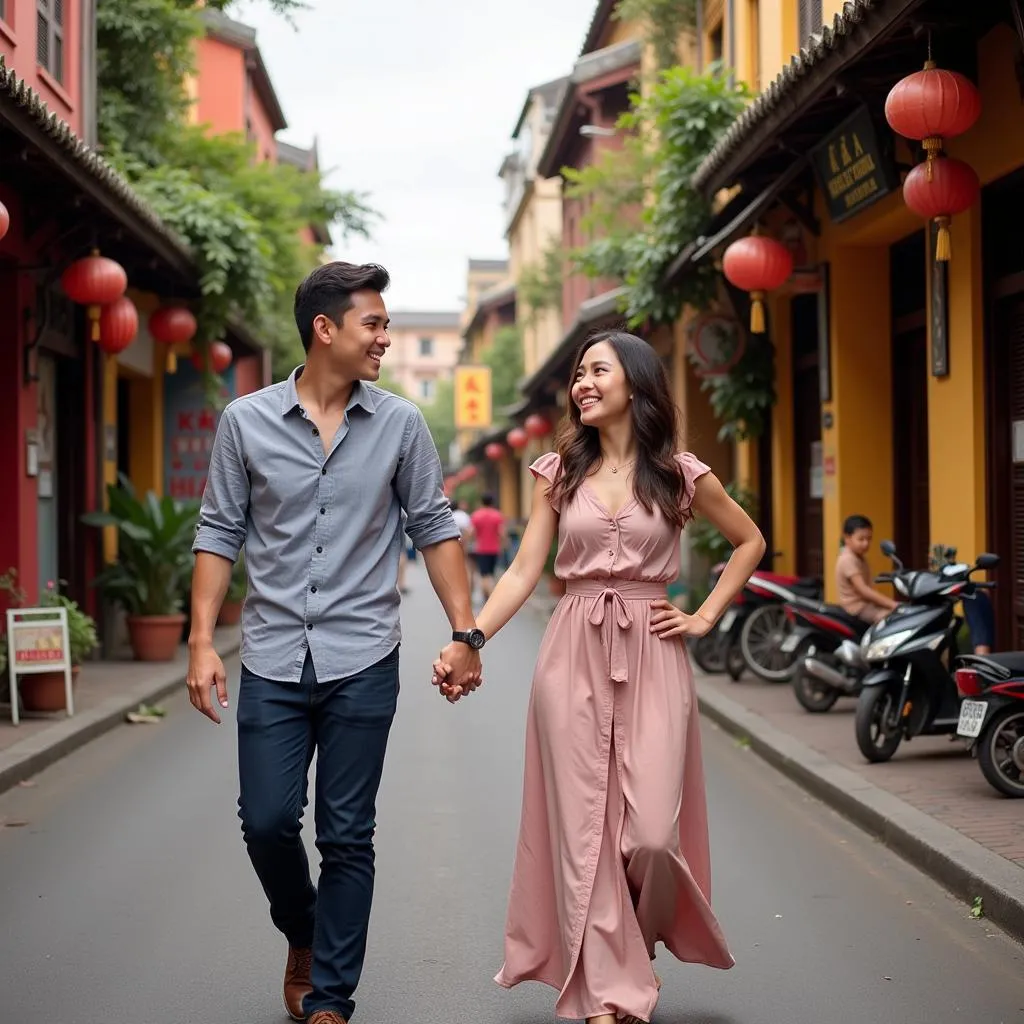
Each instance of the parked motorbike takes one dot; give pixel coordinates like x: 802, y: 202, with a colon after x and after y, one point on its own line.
x: 992, y: 716
x: 716, y: 651
x: 909, y: 690
x: 825, y: 644
x: 764, y: 627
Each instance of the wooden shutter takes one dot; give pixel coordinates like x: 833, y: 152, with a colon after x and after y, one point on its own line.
x: 810, y: 19
x: 50, y: 37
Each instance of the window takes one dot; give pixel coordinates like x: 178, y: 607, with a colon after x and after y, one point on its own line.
x: 811, y: 19
x: 426, y: 390
x: 426, y: 346
x: 50, y: 37
x: 716, y: 45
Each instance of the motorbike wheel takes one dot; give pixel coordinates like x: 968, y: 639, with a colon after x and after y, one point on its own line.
x: 734, y: 663
x: 811, y: 694
x: 1001, y: 751
x: 707, y: 651
x: 761, y: 643
x: 876, y: 742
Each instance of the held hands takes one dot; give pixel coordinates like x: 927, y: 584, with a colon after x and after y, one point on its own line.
x: 456, y: 671
x: 668, y: 621
x: 206, y: 672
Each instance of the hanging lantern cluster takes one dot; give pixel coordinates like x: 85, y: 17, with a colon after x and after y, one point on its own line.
x: 495, y: 451
x: 216, y: 357
x: 94, y: 282
x: 172, y: 326
x: 930, y: 106
x: 757, y: 264
x: 5, y: 221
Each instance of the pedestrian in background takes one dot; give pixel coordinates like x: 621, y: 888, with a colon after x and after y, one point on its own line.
x: 613, y: 850
x: 312, y: 477
x: 489, y: 533
x: 465, y: 525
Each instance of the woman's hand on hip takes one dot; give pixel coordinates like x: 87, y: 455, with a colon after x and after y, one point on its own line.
x: 668, y: 621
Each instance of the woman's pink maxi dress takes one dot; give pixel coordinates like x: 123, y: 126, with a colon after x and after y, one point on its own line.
x: 613, y: 842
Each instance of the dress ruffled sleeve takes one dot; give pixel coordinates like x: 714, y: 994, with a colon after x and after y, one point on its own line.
x: 547, y: 466
x: 693, y: 470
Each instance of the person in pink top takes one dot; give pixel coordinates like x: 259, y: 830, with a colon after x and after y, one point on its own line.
x: 613, y: 853
x: 489, y: 530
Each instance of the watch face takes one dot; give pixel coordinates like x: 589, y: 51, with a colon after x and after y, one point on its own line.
x: 476, y: 638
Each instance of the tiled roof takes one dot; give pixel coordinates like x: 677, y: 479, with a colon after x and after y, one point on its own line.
x: 828, y: 47
x: 604, y: 12
x: 15, y: 90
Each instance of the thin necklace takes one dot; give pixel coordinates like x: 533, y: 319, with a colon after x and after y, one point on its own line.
x: 615, y: 469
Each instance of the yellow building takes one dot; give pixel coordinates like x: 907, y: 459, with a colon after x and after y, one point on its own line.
x: 900, y: 378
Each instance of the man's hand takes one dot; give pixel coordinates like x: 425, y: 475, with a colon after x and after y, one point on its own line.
x: 206, y: 671
x: 457, y: 671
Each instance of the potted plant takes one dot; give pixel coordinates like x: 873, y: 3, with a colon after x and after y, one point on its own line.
x: 44, y: 691
x: 154, y: 563
x: 231, y: 609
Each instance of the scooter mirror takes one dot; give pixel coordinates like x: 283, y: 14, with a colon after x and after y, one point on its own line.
x: 888, y: 548
x: 987, y: 561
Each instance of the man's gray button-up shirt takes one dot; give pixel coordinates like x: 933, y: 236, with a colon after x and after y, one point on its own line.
x: 322, y: 533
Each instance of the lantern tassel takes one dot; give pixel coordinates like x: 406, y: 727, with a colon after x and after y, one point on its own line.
x: 757, y: 312
x: 94, y: 317
x: 943, y: 249
x: 933, y: 147
x: 172, y: 360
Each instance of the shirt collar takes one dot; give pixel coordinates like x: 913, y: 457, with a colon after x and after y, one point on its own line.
x: 362, y: 395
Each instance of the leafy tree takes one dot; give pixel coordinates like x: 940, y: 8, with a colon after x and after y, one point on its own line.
x: 440, y: 417
x: 505, y: 358
x: 388, y: 382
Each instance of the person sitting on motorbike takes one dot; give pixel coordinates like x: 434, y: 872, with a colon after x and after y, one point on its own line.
x: 853, y: 575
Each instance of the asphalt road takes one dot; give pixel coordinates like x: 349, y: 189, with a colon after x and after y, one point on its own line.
x: 126, y: 896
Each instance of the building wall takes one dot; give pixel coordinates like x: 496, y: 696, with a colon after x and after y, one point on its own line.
x: 410, y: 369
x: 18, y: 46
x: 220, y: 86
x: 260, y: 126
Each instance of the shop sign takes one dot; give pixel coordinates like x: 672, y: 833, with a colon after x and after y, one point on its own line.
x: 716, y: 345
x: 852, y: 170
x: 37, y: 641
x: 472, y: 397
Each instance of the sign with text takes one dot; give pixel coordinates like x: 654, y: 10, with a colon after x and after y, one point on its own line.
x: 472, y: 397
x: 189, y: 428
x: 37, y: 641
x: 852, y: 170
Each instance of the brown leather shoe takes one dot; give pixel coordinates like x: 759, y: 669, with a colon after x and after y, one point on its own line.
x: 327, y: 1017
x: 296, y: 981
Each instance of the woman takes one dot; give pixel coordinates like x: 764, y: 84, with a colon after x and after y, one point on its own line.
x: 613, y: 844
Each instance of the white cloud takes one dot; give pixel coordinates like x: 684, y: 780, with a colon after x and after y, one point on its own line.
x: 414, y: 102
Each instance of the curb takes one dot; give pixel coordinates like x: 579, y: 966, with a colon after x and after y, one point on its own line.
x: 30, y: 756
x: 966, y: 868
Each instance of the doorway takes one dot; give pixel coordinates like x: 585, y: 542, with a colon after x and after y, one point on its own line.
x: 807, y: 457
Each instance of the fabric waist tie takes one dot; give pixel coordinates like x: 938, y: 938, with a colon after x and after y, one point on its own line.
x: 618, y: 593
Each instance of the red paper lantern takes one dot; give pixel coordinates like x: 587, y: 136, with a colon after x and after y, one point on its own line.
x: 173, y: 325
x: 94, y: 281
x: 219, y: 354
x: 757, y: 264
x: 118, y: 325
x: 932, y: 105
x: 5, y: 220
x: 537, y: 426
x: 494, y: 451
x: 468, y: 473
x: 517, y: 438
x: 951, y: 188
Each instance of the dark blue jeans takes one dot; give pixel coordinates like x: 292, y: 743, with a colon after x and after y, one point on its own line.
x: 280, y: 725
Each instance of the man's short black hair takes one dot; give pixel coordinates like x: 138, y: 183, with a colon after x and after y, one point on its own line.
x: 328, y: 290
x: 855, y: 523
x: 487, y: 499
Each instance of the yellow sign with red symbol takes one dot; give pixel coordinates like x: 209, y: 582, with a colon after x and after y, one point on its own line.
x: 472, y: 397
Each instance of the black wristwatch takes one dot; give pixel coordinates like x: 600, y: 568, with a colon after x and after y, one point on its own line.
x: 474, y: 637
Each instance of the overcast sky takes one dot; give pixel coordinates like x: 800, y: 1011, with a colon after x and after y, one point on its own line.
x: 414, y: 102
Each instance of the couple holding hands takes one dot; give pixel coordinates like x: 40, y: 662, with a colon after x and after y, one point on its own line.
x: 312, y: 477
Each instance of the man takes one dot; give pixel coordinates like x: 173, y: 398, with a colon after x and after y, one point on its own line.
x: 312, y: 476
x: 489, y: 530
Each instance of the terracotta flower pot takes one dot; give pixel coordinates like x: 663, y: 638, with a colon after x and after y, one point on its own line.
x: 45, y: 691
x: 155, y: 637
x: 230, y: 613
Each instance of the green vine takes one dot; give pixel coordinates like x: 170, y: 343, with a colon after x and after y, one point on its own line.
x: 678, y: 121
x: 742, y: 399
x: 664, y: 21
x: 539, y: 286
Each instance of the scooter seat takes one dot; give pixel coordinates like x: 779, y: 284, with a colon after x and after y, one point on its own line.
x: 1012, y: 661
x: 808, y: 586
x: 859, y: 626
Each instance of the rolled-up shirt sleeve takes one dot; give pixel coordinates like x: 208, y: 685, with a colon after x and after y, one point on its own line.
x: 419, y: 484
x: 225, y: 506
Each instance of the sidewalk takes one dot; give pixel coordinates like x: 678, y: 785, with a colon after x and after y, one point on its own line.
x: 930, y: 803
x: 105, y: 691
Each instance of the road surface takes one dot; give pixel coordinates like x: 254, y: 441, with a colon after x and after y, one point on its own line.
x: 127, y: 898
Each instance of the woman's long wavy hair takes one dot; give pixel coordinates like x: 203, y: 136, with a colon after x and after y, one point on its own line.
x: 657, y: 476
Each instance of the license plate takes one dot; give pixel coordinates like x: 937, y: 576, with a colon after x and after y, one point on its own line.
x: 972, y: 718
x: 789, y: 644
x: 727, y: 620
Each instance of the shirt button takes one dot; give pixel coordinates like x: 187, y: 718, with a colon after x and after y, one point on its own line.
x: 316, y: 433
x: 309, y: 625
x: 312, y: 590
x: 323, y: 472
x: 615, y: 526
x: 319, y: 550
x: 322, y: 510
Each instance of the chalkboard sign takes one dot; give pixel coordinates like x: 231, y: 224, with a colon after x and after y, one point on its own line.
x: 852, y: 170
